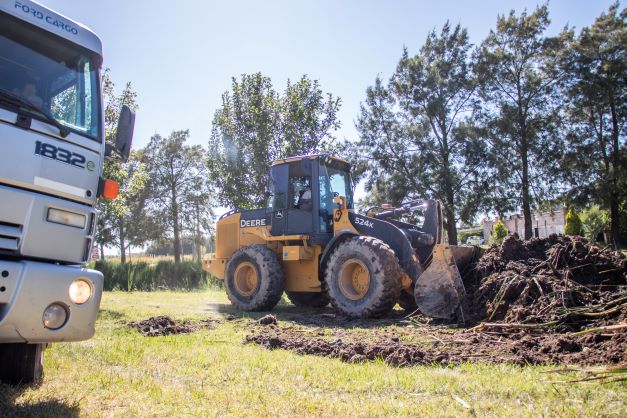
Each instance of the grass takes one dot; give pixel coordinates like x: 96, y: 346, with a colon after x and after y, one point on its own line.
x: 211, y: 373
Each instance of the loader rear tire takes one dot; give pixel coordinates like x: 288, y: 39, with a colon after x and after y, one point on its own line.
x: 21, y: 363
x: 308, y: 299
x: 254, y: 278
x: 363, y: 278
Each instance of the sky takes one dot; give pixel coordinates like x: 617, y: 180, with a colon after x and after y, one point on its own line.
x: 180, y: 56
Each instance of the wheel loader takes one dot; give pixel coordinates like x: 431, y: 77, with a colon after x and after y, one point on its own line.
x: 309, y: 243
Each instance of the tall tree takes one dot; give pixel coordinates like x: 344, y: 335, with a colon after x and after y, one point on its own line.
x: 113, y: 223
x: 596, y: 161
x: 257, y: 125
x: 414, y: 139
x: 517, y: 65
x: 177, y: 175
x: 124, y: 217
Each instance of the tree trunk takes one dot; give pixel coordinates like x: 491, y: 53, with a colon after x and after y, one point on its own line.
x: 524, y: 161
x: 122, y: 242
x: 614, y: 194
x: 102, y: 257
x: 451, y: 228
x: 175, y: 227
x: 198, y: 236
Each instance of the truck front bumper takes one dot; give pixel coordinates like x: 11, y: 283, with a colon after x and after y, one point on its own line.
x: 27, y: 288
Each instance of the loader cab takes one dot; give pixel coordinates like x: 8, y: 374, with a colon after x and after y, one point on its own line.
x: 301, y: 191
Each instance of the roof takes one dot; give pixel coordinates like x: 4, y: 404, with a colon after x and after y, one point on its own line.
x: 309, y: 156
x: 51, y: 21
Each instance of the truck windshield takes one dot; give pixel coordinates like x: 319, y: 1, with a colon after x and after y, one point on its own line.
x: 56, y: 76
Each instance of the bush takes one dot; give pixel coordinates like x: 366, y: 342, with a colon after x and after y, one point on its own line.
x: 165, y: 275
x: 499, y: 232
x: 593, y: 222
x: 573, y: 223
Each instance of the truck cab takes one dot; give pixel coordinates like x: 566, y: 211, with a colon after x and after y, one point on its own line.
x: 52, y: 150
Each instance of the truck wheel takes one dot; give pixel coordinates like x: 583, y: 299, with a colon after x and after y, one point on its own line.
x: 363, y: 277
x: 254, y: 278
x: 21, y: 363
x: 308, y: 299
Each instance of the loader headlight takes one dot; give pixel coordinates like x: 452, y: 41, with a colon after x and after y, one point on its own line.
x: 66, y: 218
x: 55, y: 316
x: 80, y: 291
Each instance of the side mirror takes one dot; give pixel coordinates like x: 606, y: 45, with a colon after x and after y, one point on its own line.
x: 124, y: 135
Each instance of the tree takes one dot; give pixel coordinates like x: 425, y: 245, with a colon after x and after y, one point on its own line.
x: 177, y: 182
x: 124, y: 217
x: 573, y: 223
x: 114, y: 228
x: 596, y: 162
x: 257, y: 125
x: 414, y: 142
x: 517, y: 67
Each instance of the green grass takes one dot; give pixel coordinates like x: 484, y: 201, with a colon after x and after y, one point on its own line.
x: 211, y: 373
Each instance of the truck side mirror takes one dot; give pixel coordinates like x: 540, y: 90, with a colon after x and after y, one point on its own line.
x: 124, y: 135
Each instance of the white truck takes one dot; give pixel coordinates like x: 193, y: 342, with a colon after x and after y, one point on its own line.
x: 52, y: 150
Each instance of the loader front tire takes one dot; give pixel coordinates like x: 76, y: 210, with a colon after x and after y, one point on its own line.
x: 308, y: 299
x: 254, y: 278
x: 363, y: 278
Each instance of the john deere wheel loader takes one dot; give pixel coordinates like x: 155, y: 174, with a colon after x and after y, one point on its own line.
x: 309, y: 243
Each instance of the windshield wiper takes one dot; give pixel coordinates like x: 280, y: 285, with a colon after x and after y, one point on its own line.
x: 20, y: 101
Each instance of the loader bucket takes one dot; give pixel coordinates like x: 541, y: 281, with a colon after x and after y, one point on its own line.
x: 439, y: 290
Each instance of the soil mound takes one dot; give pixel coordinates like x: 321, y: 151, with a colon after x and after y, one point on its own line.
x: 561, y: 281
x: 161, y: 325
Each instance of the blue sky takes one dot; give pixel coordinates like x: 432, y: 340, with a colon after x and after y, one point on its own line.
x: 180, y: 55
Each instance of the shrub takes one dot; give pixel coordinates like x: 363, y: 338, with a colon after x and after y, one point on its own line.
x: 499, y: 232
x: 593, y: 222
x: 573, y: 223
x: 165, y: 275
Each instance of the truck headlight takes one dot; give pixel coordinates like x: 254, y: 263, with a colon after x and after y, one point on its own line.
x: 64, y: 217
x: 80, y: 291
x: 54, y: 316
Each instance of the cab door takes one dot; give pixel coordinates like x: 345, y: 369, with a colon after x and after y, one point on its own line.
x: 301, y: 195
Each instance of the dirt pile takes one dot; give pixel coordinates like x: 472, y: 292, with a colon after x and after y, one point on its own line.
x: 562, y: 282
x: 162, y: 325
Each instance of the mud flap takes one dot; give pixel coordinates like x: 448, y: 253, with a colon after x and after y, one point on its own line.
x: 439, y: 291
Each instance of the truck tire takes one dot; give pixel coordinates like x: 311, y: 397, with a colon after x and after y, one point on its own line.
x: 308, y: 299
x: 21, y: 363
x: 363, y: 277
x: 254, y: 278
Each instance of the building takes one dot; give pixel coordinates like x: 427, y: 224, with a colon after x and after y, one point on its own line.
x: 544, y: 223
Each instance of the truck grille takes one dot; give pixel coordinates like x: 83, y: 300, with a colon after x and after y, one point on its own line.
x: 10, y: 235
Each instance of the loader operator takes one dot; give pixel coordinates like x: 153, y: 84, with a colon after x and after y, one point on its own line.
x: 304, y: 195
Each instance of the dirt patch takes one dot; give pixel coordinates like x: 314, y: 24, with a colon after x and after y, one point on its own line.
x: 162, y: 325
x: 527, y: 303
x: 440, y: 346
x: 267, y: 320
